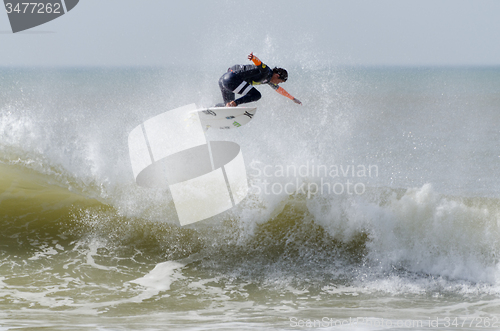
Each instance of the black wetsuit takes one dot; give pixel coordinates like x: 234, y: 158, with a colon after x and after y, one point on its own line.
x: 239, y: 80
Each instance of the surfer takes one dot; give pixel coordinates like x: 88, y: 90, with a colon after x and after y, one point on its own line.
x: 239, y: 80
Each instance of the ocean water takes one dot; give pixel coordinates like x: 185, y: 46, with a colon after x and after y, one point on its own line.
x: 373, y: 206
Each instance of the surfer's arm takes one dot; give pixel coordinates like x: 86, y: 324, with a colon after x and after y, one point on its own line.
x: 262, y: 67
x: 283, y: 92
x: 278, y: 89
x: 254, y: 59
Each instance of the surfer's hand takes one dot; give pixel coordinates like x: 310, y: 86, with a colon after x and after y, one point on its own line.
x: 297, y: 101
x: 231, y: 104
x: 250, y: 56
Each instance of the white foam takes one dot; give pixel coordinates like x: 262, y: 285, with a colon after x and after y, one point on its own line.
x: 159, y: 279
x: 45, y: 251
x: 422, y: 231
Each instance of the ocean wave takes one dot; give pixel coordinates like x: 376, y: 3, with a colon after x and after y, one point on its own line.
x: 329, y: 238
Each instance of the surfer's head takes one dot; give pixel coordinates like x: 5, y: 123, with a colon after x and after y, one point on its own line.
x: 280, y: 73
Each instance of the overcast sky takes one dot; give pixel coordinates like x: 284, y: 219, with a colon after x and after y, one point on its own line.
x: 210, y: 32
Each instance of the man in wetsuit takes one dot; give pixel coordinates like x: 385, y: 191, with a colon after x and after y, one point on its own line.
x: 240, y: 78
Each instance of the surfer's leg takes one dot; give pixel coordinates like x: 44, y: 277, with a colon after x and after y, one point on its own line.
x: 227, y: 93
x: 227, y: 96
x: 231, y: 84
x: 248, y: 92
x: 249, y: 95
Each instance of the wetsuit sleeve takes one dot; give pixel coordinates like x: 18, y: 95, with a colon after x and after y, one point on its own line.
x: 282, y: 91
x: 256, y: 61
x: 262, y: 67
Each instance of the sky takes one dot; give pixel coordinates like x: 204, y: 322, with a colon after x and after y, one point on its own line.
x: 201, y: 33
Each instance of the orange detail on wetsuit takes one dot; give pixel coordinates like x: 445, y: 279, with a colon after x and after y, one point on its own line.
x: 282, y: 91
x: 256, y: 61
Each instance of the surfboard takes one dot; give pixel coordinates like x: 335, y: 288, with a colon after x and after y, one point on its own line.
x: 225, y: 118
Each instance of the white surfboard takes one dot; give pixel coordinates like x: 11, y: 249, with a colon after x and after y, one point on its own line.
x: 225, y: 117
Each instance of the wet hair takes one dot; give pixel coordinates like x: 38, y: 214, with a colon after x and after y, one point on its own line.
x: 282, y: 73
